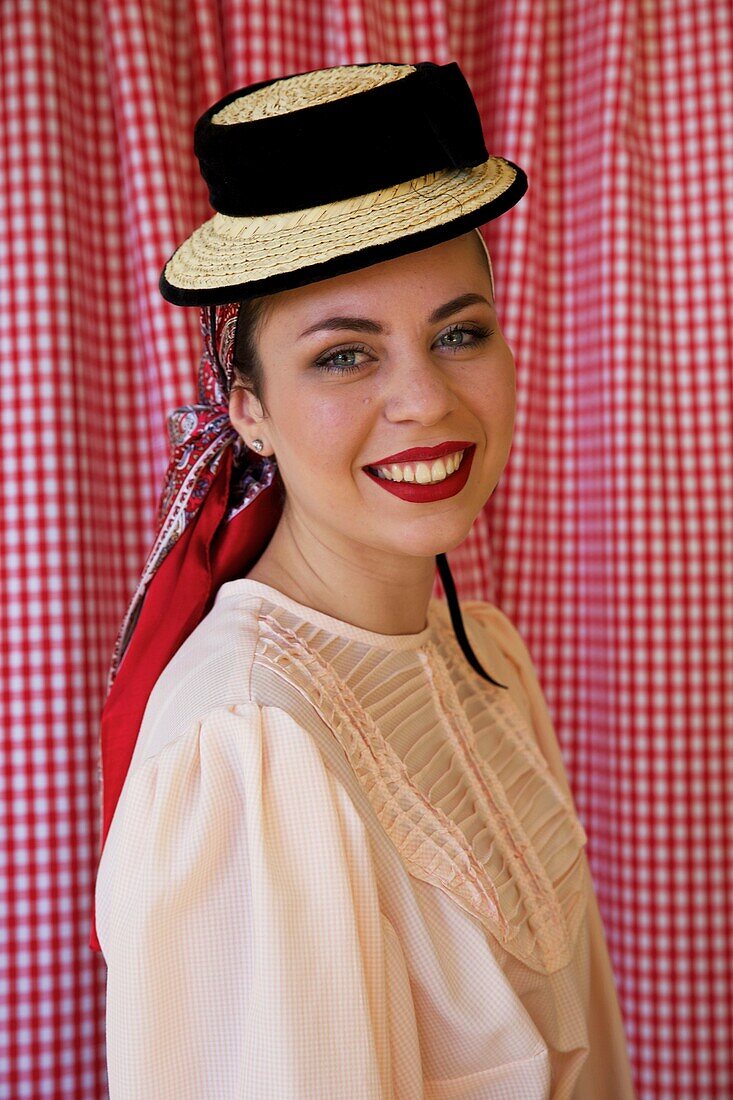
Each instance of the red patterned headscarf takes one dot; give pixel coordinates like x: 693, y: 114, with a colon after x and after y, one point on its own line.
x: 218, y: 510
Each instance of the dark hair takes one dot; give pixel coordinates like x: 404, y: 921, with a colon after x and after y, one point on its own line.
x: 248, y: 373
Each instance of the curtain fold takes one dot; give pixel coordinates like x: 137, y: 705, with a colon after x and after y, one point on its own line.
x: 609, y: 539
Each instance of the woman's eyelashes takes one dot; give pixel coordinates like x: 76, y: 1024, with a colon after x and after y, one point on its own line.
x: 477, y: 333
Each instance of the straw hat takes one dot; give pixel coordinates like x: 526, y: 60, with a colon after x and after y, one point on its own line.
x: 331, y: 170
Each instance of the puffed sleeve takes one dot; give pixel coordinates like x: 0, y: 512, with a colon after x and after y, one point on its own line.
x: 606, y: 1074
x: 239, y: 917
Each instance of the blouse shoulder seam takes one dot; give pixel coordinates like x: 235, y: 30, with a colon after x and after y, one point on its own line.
x: 502, y: 632
x: 491, y: 612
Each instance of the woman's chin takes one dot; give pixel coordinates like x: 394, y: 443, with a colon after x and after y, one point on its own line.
x: 426, y: 540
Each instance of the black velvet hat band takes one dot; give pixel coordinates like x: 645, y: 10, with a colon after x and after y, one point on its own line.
x: 425, y: 122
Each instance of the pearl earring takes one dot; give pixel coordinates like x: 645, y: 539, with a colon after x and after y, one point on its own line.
x: 257, y: 444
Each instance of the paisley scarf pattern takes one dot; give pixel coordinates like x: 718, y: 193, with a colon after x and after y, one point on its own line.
x: 199, y: 434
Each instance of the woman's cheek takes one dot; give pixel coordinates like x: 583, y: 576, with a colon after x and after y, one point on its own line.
x: 500, y: 392
x: 332, y: 431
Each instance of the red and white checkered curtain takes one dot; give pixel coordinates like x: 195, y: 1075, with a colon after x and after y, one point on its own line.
x: 609, y: 540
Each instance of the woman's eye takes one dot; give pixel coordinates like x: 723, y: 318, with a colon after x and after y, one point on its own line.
x: 331, y: 362
x: 478, y: 333
x: 342, y: 360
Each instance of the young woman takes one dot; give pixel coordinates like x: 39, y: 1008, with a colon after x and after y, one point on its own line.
x: 341, y: 856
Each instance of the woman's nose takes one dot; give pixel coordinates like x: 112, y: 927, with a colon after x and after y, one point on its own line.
x: 418, y: 389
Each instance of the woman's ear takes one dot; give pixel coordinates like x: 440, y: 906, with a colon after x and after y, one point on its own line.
x: 245, y: 413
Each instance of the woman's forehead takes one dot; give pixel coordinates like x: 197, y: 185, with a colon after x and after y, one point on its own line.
x: 443, y: 271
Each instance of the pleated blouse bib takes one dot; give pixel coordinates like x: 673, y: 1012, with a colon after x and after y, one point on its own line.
x: 343, y: 866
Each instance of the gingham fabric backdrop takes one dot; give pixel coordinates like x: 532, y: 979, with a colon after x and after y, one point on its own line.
x: 608, y: 542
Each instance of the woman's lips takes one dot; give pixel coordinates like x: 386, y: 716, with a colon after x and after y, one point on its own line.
x: 438, y: 490
x: 424, y: 454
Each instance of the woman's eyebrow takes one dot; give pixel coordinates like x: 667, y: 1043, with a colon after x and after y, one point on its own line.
x: 364, y: 324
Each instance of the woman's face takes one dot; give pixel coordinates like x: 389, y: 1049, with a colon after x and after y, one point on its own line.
x: 341, y: 394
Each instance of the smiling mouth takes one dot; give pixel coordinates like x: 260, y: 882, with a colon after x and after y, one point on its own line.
x: 423, y: 489
x: 421, y: 473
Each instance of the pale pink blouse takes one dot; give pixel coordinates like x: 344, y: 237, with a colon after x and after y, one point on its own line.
x: 343, y: 866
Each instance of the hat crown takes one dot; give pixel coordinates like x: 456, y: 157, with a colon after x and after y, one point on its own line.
x: 330, y: 134
x: 294, y: 93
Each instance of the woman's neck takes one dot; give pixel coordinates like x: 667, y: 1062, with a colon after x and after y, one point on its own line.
x: 389, y: 600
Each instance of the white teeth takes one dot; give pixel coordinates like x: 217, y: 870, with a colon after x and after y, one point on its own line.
x: 422, y: 472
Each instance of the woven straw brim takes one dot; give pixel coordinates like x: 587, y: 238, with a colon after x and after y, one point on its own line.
x: 231, y: 251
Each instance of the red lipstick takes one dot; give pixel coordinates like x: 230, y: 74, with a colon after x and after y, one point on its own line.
x: 424, y: 454
x: 439, y: 490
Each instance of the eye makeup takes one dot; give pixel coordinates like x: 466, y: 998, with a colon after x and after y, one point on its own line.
x: 478, y: 333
